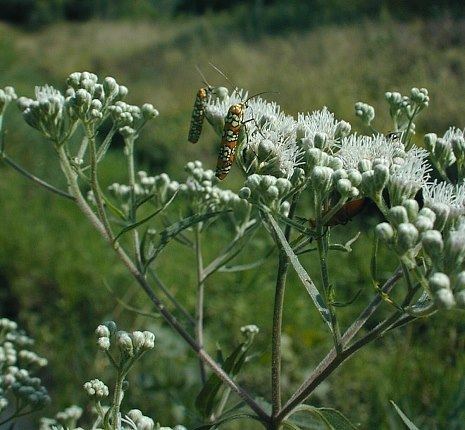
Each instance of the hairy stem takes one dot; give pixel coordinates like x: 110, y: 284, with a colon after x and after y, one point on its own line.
x: 75, y: 191
x: 283, y: 266
x: 332, y: 360
x: 322, y: 244
x: 132, y: 183
x: 200, y: 297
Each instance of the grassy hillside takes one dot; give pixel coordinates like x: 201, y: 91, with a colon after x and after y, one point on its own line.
x: 54, y: 271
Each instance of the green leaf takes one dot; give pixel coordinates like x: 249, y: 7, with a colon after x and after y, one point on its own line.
x: 301, y: 272
x: 296, y: 225
x: 144, y: 220
x: 226, y: 419
x: 347, y: 247
x: 205, y: 401
x: 404, y: 418
x: 320, y: 418
x: 173, y: 230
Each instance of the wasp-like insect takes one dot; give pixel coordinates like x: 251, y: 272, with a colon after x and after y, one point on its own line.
x: 233, y: 124
x: 198, y: 114
x: 347, y: 212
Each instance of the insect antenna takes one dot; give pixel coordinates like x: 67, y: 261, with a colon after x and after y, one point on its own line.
x: 204, y: 79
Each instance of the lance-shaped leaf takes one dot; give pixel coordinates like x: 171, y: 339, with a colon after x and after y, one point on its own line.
x: 301, y: 272
x: 208, y: 396
x: 404, y: 418
x: 144, y: 220
x: 312, y: 418
x: 173, y: 230
x: 225, y: 419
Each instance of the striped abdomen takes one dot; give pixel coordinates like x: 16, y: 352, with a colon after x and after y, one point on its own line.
x: 198, y: 115
x: 232, y: 127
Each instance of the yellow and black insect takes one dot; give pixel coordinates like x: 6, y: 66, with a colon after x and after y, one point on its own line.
x: 198, y: 114
x: 233, y: 124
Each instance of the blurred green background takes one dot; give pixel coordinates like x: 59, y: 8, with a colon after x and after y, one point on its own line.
x: 55, y: 273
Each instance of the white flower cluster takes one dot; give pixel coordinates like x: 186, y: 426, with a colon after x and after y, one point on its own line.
x: 87, y: 100
x: 412, y: 230
x: 447, y: 150
x: 66, y: 419
x: 129, y: 344
x: 7, y: 95
x: 268, y: 190
x: 158, y: 189
x: 201, y: 190
x: 384, y: 163
x: 16, y: 368
x: 96, y: 389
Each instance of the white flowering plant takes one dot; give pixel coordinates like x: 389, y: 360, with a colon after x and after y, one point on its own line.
x: 314, y: 158
x: 123, y: 349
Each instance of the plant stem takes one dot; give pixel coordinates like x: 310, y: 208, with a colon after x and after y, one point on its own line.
x: 283, y: 266
x: 332, y: 360
x: 94, y: 183
x: 200, y: 298
x: 75, y: 191
x: 117, y: 397
x: 33, y: 178
x: 132, y: 183
x: 322, y: 245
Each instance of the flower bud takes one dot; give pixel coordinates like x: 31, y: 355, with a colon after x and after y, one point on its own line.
x: 433, y: 245
x: 96, y: 388
x: 458, y: 146
x: 148, y: 111
x: 124, y: 342
x: 343, y: 129
x: 344, y: 187
x: 364, y: 165
x: 398, y: 215
x: 355, y: 177
x: 103, y: 343
x: 442, y: 212
x: 244, y: 193
x: 320, y: 140
x: 321, y: 179
x: 430, y: 141
x: 221, y: 92
x: 381, y: 177
x: 272, y: 192
x: 445, y: 299
x: 412, y: 208
x: 407, y: 236
x: 423, y: 224
x: 439, y: 281
x: 149, y: 342
x: 138, y: 339
x: 385, y: 232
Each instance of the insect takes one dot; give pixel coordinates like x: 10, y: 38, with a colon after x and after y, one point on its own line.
x: 232, y: 127
x: 347, y: 212
x: 198, y: 114
x: 343, y: 215
x: 395, y: 135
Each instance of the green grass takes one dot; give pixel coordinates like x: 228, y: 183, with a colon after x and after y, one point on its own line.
x: 54, y: 270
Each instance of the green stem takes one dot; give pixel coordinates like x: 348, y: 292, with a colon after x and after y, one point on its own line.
x: 33, y: 178
x: 332, y: 360
x: 200, y: 298
x: 75, y: 191
x: 283, y: 266
x: 132, y: 183
x: 322, y: 245
x: 117, y: 398
x: 94, y: 182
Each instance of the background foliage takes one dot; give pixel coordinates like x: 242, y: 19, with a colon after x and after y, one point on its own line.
x: 54, y: 273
